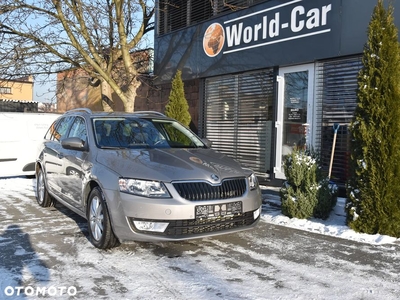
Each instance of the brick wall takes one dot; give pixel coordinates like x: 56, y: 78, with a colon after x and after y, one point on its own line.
x: 156, y: 98
x: 74, y: 91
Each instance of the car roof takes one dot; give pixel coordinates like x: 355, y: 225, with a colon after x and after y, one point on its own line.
x: 139, y: 114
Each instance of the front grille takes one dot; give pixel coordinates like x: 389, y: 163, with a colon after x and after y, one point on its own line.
x: 183, y: 228
x: 199, y: 191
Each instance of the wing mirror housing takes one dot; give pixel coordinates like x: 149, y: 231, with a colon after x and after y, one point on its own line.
x: 74, y: 143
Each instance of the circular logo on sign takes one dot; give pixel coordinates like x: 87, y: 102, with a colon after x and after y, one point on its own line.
x: 214, y: 39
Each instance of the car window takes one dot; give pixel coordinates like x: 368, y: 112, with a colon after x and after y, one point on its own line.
x: 61, y: 128
x: 51, y: 130
x: 78, y: 129
x: 175, y: 136
x: 131, y: 133
x: 178, y: 135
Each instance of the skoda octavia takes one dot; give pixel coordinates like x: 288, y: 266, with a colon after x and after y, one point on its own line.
x: 143, y: 176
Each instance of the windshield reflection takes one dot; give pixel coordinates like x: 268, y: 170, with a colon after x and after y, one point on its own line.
x: 143, y: 133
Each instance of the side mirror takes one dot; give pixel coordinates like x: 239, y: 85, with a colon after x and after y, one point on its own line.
x: 74, y: 143
x: 207, y: 142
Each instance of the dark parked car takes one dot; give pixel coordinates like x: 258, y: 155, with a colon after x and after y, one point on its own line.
x: 143, y: 176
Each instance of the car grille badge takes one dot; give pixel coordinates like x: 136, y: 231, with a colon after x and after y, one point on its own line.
x: 214, y: 177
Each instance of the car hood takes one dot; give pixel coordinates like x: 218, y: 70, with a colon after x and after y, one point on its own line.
x: 170, y: 164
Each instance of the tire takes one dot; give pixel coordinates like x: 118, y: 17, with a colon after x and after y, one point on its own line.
x: 100, y: 231
x: 43, y: 197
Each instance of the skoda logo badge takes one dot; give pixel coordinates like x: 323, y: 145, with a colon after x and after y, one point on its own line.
x: 214, y: 177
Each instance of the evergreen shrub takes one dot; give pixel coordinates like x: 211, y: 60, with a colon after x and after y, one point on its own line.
x: 306, y: 193
x: 373, y: 188
x: 177, y: 106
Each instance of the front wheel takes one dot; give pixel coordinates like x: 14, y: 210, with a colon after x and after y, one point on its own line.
x: 42, y: 195
x: 99, y: 225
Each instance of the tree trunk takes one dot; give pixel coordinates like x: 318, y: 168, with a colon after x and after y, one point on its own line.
x: 106, y: 97
x: 129, y: 96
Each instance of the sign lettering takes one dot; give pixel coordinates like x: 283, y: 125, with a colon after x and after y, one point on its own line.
x: 273, y: 25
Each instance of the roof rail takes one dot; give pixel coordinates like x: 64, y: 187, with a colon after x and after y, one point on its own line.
x: 150, y: 112
x: 84, y: 109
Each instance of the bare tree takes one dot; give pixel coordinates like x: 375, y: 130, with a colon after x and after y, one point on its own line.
x: 43, y: 37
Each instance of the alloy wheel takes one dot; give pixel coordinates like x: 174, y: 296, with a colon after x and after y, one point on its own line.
x: 96, y: 217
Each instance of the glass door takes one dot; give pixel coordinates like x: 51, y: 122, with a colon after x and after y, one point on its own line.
x: 294, y: 113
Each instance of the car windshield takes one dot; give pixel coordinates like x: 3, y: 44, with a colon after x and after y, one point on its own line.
x: 124, y: 132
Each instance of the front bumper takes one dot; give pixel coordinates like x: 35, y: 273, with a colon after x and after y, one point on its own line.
x: 179, y: 216
x: 181, y: 229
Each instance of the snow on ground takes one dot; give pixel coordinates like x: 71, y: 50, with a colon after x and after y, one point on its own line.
x: 209, y: 270
x: 335, y: 225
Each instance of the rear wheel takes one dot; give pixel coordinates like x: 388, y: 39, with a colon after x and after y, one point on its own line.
x: 100, y: 230
x: 42, y: 195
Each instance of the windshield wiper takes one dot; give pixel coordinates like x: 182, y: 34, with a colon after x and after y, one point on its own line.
x: 143, y: 145
x: 113, y: 147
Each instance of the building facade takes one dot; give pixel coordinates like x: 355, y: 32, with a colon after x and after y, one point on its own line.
x: 270, y: 75
x: 76, y: 88
x: 17, y: 95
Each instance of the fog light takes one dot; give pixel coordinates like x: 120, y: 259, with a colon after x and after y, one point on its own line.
x: 256, y: 213
x: 150, y: 226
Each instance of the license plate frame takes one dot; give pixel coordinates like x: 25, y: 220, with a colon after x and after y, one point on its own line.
x: 220, y: 210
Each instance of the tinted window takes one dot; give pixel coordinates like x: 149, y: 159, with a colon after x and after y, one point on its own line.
x: 78, y: 129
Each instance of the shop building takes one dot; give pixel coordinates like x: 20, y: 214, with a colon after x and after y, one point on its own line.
x: 270, y: 75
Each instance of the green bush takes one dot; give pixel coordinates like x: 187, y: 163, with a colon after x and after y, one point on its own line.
x: 306, y: 193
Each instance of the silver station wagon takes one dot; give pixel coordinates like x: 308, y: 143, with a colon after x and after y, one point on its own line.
x: 143, y: 176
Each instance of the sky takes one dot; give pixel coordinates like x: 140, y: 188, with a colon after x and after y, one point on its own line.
x: 207, y: 269
x: 41, y: 92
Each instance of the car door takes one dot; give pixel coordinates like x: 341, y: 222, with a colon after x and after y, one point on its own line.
x: 53, y: 156
x: 74, y: 165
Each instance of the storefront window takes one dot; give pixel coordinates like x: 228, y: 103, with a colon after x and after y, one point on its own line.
x: 238, y: 117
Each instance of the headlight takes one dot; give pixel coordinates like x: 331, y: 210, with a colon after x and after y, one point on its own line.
x: 146, y: 188
x: 253, y: 181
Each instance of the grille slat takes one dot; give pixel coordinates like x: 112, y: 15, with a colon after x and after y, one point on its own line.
x: 201, y: 191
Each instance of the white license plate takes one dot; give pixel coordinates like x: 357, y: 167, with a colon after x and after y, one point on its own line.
x: 218, y: 210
